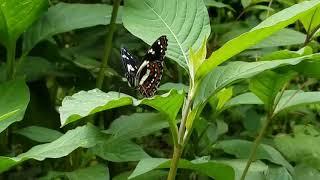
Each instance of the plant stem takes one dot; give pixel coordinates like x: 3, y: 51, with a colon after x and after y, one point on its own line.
x: 108, y: 43
x: 174, y: 162
x: 11, y: 52
x: 256, y: 145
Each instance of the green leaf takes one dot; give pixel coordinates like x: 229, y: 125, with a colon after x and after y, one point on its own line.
x: 278, y: 173
x: 223, y: 96
x: 119, y: 151
x: 311, y: 20
x: 245, y: 98
x: 284, y: 37
x: 216, y: 170
x: 136, y: 125
x: 185, y: 23
x: 293, y: 98
x: 85, y: 103
x: 301, y: 147
x: 268, y: 84
x: 197, y: 58
x: 65, y: 17
x: 95, y: 172
x: 303, y: 172
x: 13, y: 102
x: 223, y: 76
x: 213, y: 3
x: 16, y: 16
x: 242, y: 148
x: 84, y: 136
x: 177, y: 86
x: 39, y: 134
x: 156, y: 174
x: 271, y: 25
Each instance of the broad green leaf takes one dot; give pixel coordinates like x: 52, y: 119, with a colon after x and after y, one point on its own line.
x: 245, y: 98
x: 213, y: 169
x: 271, y: 25
x: 13, y: 102
x: 84, y: 136
x: 39, y: 134
x: 267, y: 85
x: 223, y: 96
x: 257, y: 169
x: 278, y: 173
x: 213, y: 3
x: 311, y: 20
x: 95, y: 172
x: 85, y: 103
x: 242, y: 148
x: 223, y: 76
x: 65, y: 17
x: 301, y: 147
x: 136, y: 125
x: 119, y: 151
x: 16, y: 16
x: 293, y: 98
x: 309, y: 68
x: 156, y: 174
x: 184, y: 22
x: 284, y: 37
x: 303, y: 172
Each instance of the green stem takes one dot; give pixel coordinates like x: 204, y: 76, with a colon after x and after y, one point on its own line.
x: 174, y: 162
x: 269, y: 6
x: 11, y: 52
x: 108, y: 43
x: 255, y: 146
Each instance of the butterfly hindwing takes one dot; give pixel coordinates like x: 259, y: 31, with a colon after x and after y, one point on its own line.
x: 147, y: 75
x: 130, y: 64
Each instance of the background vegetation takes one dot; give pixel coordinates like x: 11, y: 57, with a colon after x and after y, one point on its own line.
x: 239, y: 98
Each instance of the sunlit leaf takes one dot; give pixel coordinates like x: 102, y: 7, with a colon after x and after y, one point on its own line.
x: 184, y: 22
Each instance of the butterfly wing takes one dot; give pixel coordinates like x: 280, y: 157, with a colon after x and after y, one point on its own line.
x: 131, y: 65
x: 150, y: 72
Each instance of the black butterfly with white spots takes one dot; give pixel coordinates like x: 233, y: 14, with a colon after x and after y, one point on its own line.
x: 145, y: 75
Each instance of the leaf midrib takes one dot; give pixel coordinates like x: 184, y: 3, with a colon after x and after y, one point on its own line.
x: 175, y: 37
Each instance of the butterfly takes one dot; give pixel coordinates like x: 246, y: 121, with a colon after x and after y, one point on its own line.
x: 145, y: 75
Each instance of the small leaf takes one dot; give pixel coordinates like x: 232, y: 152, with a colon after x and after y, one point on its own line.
x: 65, y: 17
x: 85, y: 136
x: 185, y: 23
x: 94, y: 172
x: 242, y: 148
x: 223, y: 96
x: 177, y: 86
x: 311, y: 20
x: 13, y: 102
x: 245, y: 98
x: 278, y: 173
x: 216, y: 170
x: 213, y: 3
x: 197, y: 58
x: 39, y: 134
x: 268, y: 84
x: 16, y: 16
x: 119, y: 151
x: 269, y: 26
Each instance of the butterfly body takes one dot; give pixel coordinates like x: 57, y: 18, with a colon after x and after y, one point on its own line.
x: 146, y: 76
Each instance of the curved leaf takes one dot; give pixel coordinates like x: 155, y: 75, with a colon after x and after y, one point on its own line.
x: 13, y: 102
x: 39, y: 134
x: 223, y: 76
x: 85, y: 103
x: 65, y: 17
x: 85, y: 136
x: 16, y: 16
x: 185, y: 22
x: 269, y: 26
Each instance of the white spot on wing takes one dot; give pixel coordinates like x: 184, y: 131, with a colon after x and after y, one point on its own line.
x: 130, y: 68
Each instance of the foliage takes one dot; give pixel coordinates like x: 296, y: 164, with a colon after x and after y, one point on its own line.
x: 66, y: 111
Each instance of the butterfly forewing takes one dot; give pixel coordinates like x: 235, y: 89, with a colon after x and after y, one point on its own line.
x: 130, y: 64
x: 147, y: 75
